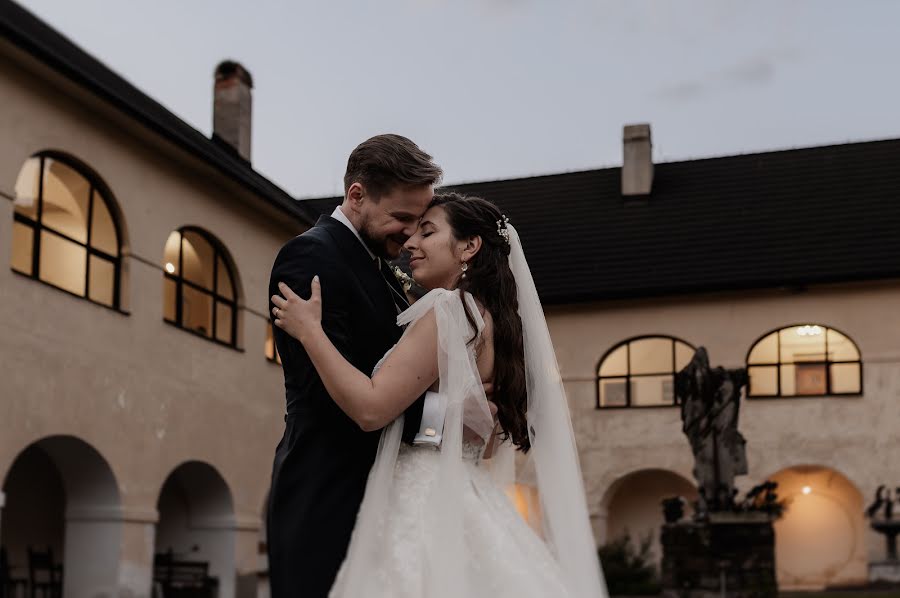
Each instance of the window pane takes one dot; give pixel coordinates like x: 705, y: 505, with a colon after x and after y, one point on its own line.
x: 788, y: 381
x: 65, y: 195
x: 763, y: 381
x: 841, y: 348
x: 612, y: 392
x: 765, y: 351
x: 651, y: 356
x: 22, y: 247
x: 616, y: 363
x: 102, y: 280
x: 103, y: 230
x: 170, y: 301
x: 223, y: 282
x: 802, y: 343
x: 196, y: 310
x: 223, y: 323
x: 845, y: 378
x: 809, y: 379
x: 170, y: 254
x: 27, y: 189
x: 683, y: 355
x: 197, y: 259
x: 62, y: 263
x: 652, y: 390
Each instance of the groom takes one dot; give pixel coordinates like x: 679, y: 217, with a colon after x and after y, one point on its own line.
x: 323, y: 459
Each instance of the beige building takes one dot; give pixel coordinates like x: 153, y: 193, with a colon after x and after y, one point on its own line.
x: 138, y: 410
x: 139, y: 399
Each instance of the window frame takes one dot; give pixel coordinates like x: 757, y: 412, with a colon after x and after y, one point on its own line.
x: 219, y: 254
x: 628, y: 376
x: 827, y: 363
x: 96, y: 189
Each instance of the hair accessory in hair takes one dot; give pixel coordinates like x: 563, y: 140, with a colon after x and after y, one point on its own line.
x: 502, y: 230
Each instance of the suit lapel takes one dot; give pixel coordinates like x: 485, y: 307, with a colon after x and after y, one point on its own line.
x: 388, y: 274
x: 364, y: 269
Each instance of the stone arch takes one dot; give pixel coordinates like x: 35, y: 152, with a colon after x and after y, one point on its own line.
x: 633, y: 505
x: 821, y: 539
x: 197, y: 521
x: 61, y: 494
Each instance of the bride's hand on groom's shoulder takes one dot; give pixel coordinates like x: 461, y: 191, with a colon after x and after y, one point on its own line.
x: 298, y: 317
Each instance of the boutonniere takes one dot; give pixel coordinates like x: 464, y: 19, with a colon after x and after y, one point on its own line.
x: 403, y: 278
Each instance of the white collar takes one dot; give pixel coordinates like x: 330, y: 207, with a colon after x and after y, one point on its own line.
x: 338, y: 215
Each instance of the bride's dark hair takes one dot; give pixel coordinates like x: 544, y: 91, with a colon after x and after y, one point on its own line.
x: 489, y: 279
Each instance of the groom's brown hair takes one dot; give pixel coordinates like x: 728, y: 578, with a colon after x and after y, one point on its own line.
x: 385, y: 162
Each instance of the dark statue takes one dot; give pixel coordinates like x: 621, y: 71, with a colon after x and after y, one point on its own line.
x: 710, y: 400
x: 728, y: 548
x: 762, y: 499
x: 885, y: 524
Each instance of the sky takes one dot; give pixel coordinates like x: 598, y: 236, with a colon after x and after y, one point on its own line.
x: 499, y: 89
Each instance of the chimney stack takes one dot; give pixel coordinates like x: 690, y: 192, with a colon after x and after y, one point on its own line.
x: 637, y: 160
x: 232, y: 103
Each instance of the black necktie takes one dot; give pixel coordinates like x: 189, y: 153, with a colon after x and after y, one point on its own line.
x: 399, y: 298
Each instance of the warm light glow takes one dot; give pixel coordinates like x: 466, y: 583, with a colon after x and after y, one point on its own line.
x: 807, y: 490
x: 809, y: 330
x: 516, y: 494
x: 170, y: 268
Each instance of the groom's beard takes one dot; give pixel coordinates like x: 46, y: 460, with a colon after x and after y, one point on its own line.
x: 387, y: 247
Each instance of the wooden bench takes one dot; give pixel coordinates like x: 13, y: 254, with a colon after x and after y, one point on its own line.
x: 183, y: 579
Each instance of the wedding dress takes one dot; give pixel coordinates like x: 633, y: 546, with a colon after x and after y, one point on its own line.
x: 437, y: 523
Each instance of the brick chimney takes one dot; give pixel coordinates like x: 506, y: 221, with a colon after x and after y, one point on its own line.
x: 637, y: 160
x: 232, y: 103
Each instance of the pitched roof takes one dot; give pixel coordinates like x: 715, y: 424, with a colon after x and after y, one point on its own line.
x: 769, y: 220
x: 47, y: 45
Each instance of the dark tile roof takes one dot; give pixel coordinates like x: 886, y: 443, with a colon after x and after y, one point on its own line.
x: 769, y: 220
x: 47, y: 45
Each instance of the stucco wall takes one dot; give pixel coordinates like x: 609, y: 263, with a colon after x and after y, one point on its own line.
x: 146, y: 395
x: 853, y: 435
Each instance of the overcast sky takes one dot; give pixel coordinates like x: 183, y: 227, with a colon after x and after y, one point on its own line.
x: 506, y: 88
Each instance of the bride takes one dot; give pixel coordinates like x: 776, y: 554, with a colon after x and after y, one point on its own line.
x: 437, y: 523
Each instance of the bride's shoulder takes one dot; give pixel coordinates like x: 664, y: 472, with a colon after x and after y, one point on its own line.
x: 435, y: 294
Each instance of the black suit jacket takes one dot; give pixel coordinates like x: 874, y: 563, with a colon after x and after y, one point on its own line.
x: 323, y: 459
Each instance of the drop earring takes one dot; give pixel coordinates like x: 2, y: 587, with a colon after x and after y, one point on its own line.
x: 464, y: 267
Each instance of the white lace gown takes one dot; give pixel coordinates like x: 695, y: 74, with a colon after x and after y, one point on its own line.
x: 504, y: 556
x: 396, y: 545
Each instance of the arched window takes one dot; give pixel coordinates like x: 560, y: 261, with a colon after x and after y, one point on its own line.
x: 64, y: 232
x: 640, y: 372
x: 199, y: 291
x: 804, y: 360
x: 271, y: 350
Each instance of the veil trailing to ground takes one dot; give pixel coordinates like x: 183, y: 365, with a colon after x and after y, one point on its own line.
x: 563, y: 516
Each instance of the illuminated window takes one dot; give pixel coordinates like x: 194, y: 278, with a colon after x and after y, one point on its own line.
x: 802, y: 361
x: 271, y: 350
x: 641, y: 372
x: 198, y: 286
x: 64, y: 232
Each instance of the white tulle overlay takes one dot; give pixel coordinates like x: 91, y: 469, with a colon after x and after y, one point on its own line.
x: 438, y: 524
x: 564, y: 515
